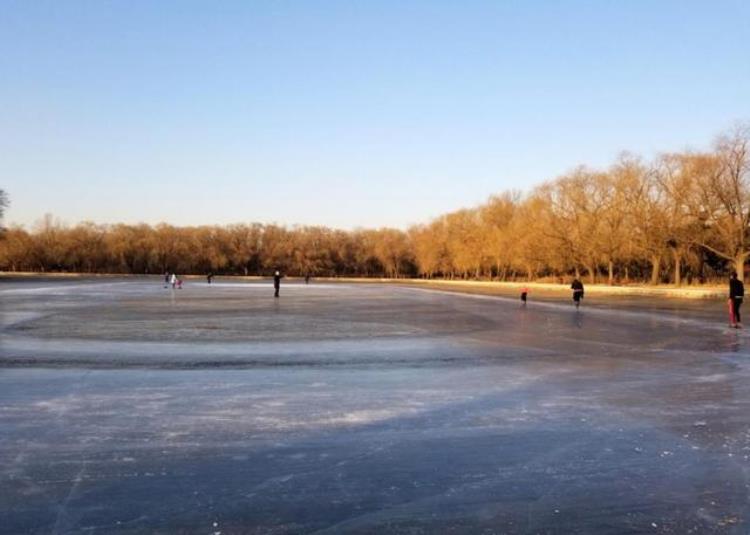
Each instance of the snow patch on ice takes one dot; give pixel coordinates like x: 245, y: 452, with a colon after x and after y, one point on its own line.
x: 714, y: 378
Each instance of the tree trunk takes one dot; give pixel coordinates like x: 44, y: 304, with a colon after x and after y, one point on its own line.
x: 655, y: 269
x: 739, y: 266
x: 701, y: 266
x: 677, y: 269
x: 610, y: 272
x: 592, y: 274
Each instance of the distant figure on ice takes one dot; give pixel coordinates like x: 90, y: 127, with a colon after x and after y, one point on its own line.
x: 276, y: 283
x: 307, y: 278
x: 577, y: 288
x: 166, y: 279
x: 179, y: 283
x: 524, y: 293
x: 210, y: 276
x: 736, y: 293
x: 173, y: 280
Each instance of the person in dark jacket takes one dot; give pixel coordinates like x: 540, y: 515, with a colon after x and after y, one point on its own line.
x: 276, y: 283
x: 577, y: 288
x: 736, y: 293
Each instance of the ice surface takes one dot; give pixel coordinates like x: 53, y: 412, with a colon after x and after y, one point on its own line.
x: 126, y: 407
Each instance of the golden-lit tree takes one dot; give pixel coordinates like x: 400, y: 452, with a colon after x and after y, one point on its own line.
x: 723, y: 187
x: 497, y: 217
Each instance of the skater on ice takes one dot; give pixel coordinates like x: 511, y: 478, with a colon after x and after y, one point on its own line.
x: 577, y: 288
x: 736, y: 293
x: 524, y: 293
x: 276, y: 283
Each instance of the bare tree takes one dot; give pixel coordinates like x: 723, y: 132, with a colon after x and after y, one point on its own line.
x: 710, y: 195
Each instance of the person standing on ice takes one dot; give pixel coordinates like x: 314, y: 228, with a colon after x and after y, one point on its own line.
x: 577, y: 288
x: 736, y: 293
x: 173, y: 280
x: 524, y: 293
x: 166, y: 279
x: 276, y: 283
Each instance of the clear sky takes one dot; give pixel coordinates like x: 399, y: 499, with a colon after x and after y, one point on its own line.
x: 346, y: 113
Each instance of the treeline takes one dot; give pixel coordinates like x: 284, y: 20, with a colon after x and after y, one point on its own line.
x: 250, y: 249
x: 682, y: 216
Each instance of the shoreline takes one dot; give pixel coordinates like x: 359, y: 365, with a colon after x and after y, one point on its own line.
x: 711, y: 292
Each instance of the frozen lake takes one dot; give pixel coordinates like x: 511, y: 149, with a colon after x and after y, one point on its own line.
x: 359, y: 408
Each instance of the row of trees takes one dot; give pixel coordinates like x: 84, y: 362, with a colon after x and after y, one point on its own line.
x: 236, y: 249
x: 683, y: 215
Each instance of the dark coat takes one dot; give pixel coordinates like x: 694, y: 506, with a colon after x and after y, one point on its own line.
x: 736, y: 289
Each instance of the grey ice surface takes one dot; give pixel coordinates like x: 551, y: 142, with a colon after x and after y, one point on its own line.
x: 129, y: 408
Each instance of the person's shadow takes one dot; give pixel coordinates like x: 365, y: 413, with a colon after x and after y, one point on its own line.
x: 577, y: 318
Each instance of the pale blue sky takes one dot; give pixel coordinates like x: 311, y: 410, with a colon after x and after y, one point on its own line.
x: 346, y: 113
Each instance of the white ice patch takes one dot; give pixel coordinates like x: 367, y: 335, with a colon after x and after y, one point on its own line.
x: 268, y: 284
x: 714, y: 378
x: 60, y: 290
x: 366, y: 416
